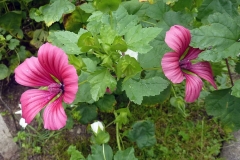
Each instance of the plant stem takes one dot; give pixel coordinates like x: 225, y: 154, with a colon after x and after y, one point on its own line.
x: 173, y: 90
x: 104, y: 152
x: 117, y: 134
x: 229, y: 72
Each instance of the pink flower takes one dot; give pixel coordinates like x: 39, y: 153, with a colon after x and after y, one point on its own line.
x: 177, y: 65
x: 56, y: 81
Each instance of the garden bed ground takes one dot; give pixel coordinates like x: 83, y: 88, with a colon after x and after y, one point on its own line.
x: 10, y: 95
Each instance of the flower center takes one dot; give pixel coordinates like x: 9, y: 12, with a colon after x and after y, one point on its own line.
x: 185, y: 64
x: 55, y: 88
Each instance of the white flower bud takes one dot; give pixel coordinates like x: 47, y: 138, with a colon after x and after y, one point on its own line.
x: 96, y: 125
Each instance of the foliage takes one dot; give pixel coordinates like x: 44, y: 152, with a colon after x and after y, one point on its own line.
x: 96, y: 35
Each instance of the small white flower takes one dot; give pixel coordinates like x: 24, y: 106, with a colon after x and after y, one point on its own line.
x: 132, y: 54
x: 22, y: 121
x: 96, y: 125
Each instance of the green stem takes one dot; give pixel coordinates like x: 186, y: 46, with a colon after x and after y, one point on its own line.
x: 104, y: 152
x: 202, y: 135
x: 117, y: 134
x: 229, y: 72
x: 6, y: 7
x: 173, y: 90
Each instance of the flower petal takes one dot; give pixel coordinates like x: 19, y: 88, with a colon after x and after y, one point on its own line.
x: 53, y: 59
x: 171, y: 68
x: 204, y: 70
x: 33, y: 101
x: 178, y: 38
x: 31, y: 73
x: 192, y: 53
x: 193, y: 87
x: 54, y: 115
x: 70, y: 81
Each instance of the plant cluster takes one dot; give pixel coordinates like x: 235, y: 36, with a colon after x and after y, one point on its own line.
x: 99, y: 60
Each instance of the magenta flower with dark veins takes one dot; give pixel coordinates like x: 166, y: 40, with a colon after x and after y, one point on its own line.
x: 54, y: 80
x: 177, y: 65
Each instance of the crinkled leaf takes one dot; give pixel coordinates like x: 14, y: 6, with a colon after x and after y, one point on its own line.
x: 137, y: 89
x: 209, y: 7
x: 76, y: 20
x: 127, y: 154
x: 143, y: 133
x: 127, y: 67
x: 88, y: 113
x: 91, y: 63
x: 75, y: 154
x: 4, y: 71
x: 221, y: 104
x: 220, y: 38
x: 66, y: 40
x: 39, y: 37
x: 107, y: 103
x: 53, y: 12
x: 100, y: 80
x: 11, y: 21
x: 100, y: 152
x: 138, y: 38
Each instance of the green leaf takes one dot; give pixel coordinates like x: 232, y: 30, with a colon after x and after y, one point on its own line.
x: 121, y: 116
x: 66, y: 40
x: 11, y: 22
x: 13, y: 44
x: 157, y: 10
x: 103, y: 152
x: 221, y: 104
x: 100, y: 80
x: 75, y: 154
x: 209, y: 7
x: 106, y: 5
x: 86, y: 42
x: 76, y: 20
x: 127, y: 67
x: 88, y: 113
x: 123, y: 21
x: 153, y: 57
x: 158, y: 99
x: 143, y: 133
x: 83, y: 94
x: 221, y: 38
x: 53, y: 12
x: 39, y: 37
x: 91, y: 63
x: 107, y: 103
x: 36, y: 14
x: 137, y: 89
x: 236, y: 89
x: 127, y: 154
x: 138, y: 38
x: 87, y: 7
x: 4, y: 71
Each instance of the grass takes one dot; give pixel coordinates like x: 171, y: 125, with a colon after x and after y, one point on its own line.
x: 195, y: 137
